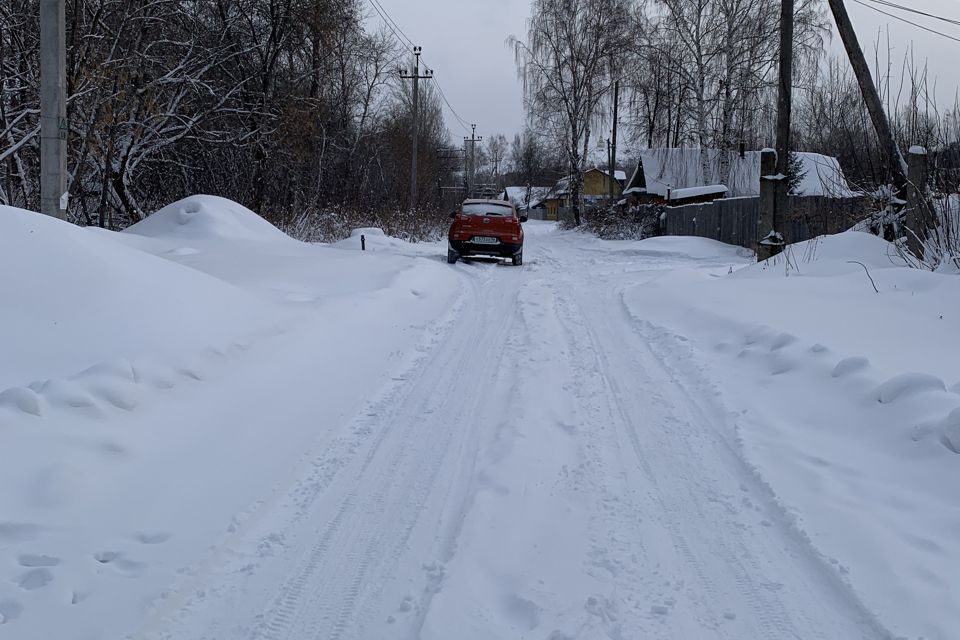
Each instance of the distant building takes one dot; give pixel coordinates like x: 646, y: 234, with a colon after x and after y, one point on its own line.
x: 596, y: 187
x: 679, y: 175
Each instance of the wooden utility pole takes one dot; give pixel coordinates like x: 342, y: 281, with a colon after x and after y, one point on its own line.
x: 414, y: 75
x: 774, y: 241
x: 892, y: 155
x: 53, y: 109
x: 473, y: 140
x: 774, y: 189
x: 613, y: 143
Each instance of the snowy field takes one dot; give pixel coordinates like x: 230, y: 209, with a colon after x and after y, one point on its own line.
x: 211, y: 431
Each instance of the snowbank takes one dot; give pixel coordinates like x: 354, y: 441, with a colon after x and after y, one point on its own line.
x: 827, y: 256
x: 378, y: 241
x: 74, y: 298
x: 157, y: 386
x: 845, y: 401
x: 674, y: 246
x: 207, y: 217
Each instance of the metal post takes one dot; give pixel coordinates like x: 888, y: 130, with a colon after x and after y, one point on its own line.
x: 53, y: 109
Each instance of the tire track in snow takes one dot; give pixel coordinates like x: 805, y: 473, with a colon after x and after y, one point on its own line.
x: 677, y: 454
x: 339, y: 583
x: 653, y: 337
x: 595, y: 360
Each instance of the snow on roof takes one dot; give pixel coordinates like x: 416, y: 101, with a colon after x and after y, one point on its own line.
x: 696, y: 192
x: 683, y: 168
x: 493, y: 201
x: 517, y: 195
x: 617, y: 175
x: 824, y: 177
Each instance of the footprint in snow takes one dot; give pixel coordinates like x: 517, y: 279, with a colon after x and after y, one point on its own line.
x: 31, y: 560
x: 34, y: 579
x: 152, y: 538
x: 118, y: 560
x: 849, y: 365
x: 9, y: 611
x: 906, y: 385
x: 22, y: 399
x: 19, y: 531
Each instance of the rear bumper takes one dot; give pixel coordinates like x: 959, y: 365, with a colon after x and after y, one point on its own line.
x: 502, y: 249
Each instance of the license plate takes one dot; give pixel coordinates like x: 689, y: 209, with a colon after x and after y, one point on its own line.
x: 484, y: 240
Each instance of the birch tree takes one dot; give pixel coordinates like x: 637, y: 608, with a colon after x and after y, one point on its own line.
x: 566, y: 65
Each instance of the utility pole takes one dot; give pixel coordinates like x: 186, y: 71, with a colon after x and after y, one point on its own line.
x: 613, y: 144
x: 416, y: 77
x: 456, y: 158
x: 53, y: 109
x: 772, y: 241
x: 473, y: 140
x: 895, y: 161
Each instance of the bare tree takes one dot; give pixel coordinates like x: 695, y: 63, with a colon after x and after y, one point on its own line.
x: 566, y: 67
x: 497, y: 148
x: 282, y: 105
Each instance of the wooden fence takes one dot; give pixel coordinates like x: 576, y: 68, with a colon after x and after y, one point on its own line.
x: 735, y: 220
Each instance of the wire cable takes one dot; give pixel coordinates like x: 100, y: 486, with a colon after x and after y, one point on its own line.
x: 391, y: 23
x: 902, y: 19
x: 405, y: 41
x: 894, y: 5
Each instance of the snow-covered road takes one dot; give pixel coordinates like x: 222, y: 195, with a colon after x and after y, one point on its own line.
x: 536, y: 472
x: 270, y: 440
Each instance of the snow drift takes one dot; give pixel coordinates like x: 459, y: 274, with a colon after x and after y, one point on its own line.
x: 74, y: 298
x: 205, y: 218
x: 846, y: 403
x: 157, y: 385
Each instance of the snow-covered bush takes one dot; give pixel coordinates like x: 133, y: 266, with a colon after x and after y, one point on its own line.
x: 335, y: 223
x: 624, y: 222
x: 941, y: 244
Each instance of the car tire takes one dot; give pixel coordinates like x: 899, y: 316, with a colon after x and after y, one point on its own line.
x: 452, y: 256
x: 518, y: 259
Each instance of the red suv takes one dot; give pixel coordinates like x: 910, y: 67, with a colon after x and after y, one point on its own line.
x: 486, y: 228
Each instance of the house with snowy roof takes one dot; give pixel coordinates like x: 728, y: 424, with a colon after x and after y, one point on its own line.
x: 518, y: 195
x: 596, y: 186
x: 696, y: 175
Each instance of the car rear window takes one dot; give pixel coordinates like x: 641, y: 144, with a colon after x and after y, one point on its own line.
x: 485, y: 209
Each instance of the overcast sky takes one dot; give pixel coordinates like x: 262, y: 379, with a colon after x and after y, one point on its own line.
x: 464, y: 43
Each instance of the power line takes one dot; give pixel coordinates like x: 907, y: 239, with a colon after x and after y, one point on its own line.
x: 902, y: 19
x: 460, y: 121
x: 404, y: 41
x: 894, y: 5
x: 387, y: 21
x: 391, y: 23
